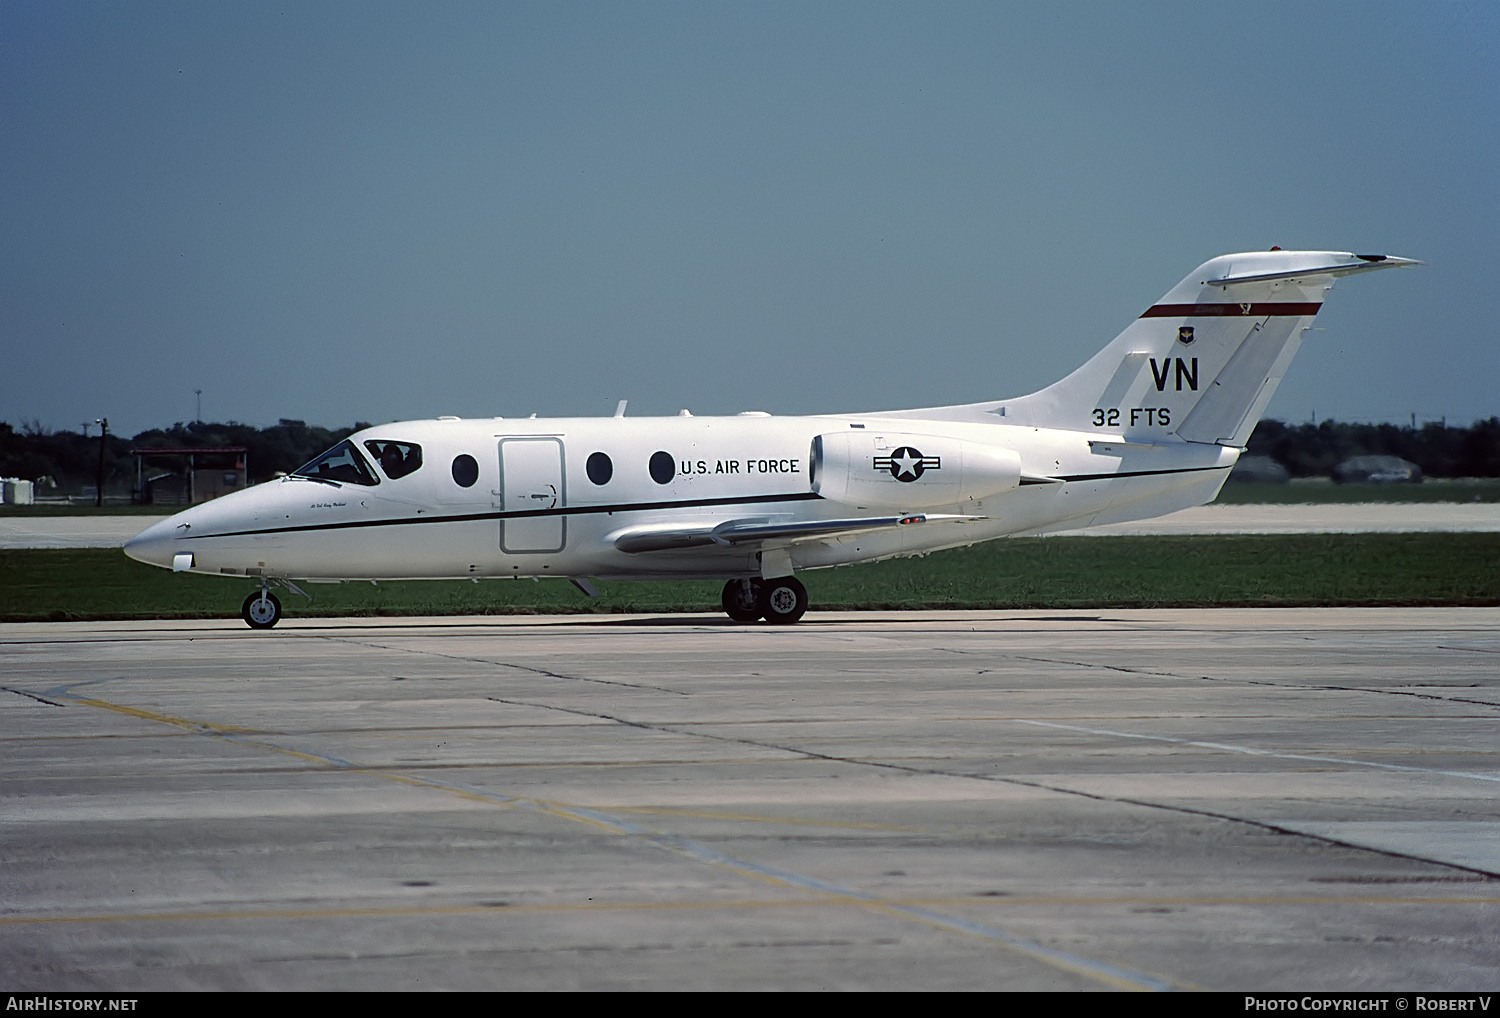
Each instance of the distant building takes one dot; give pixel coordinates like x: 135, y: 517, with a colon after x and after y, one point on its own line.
x: 197, y: 475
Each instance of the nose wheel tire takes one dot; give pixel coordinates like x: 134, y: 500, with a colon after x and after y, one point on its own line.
x: 782, y: 601
x: 261, y: 610
x: 741, y: 600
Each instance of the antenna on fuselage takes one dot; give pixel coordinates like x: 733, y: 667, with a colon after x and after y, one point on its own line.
x: 620, y: 408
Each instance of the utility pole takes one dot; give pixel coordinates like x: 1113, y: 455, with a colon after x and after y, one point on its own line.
x: 103, y: 423
x: 199, y: 394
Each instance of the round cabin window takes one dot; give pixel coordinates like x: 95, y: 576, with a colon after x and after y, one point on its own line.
x: 600, y: 468
x: 465, y: 470
x: 662, y: 467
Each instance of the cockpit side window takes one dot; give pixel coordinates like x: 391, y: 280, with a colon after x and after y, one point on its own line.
x: 342, y: 464
x: 396, y: 459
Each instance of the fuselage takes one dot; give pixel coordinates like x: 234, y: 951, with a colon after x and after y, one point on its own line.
x: 578, y: 497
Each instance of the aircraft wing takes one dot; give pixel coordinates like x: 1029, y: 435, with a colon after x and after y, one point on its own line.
x: 784, y: 533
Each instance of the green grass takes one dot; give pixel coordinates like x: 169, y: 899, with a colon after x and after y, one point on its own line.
x: 1056, y: 572
x: 1314, y: 490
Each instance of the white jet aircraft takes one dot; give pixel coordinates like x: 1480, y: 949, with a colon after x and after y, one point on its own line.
x: 1151, y: 424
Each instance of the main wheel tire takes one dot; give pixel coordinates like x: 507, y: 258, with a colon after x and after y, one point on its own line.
x: 261, y: 610
x: 783, y: 601
x: 741, y: 600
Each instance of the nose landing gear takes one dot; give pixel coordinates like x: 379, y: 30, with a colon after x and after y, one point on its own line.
x: 261, y: 610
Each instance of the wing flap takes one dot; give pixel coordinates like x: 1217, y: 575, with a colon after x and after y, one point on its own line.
x: 731, y: 533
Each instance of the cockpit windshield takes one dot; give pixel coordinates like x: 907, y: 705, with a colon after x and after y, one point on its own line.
x: 341, y: 465
x: 396, y: 459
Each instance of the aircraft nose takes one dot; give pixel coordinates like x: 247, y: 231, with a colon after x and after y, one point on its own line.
x: 156, y: 545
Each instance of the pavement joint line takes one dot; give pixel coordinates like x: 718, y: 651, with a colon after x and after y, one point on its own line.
x: 1098, y: 971
x: 500, y: 664
x: 1062, y: 789
x: 1259, y: 682
x: 906, y: 768
x: 1065, y: 790
x: 1248, y: 751
x: 39, y: 698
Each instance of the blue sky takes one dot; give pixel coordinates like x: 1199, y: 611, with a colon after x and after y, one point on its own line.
x: 369, y: 211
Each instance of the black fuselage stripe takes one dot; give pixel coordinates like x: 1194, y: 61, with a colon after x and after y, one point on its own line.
x: 525, y: 514
x: 630, y: 507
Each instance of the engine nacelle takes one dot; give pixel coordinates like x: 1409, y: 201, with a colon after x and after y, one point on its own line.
x: 896, y: 471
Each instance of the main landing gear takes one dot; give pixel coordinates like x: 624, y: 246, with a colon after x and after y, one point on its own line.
x: 781, y: 601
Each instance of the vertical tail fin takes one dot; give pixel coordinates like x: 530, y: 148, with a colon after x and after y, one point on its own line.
x: 1201, y: 364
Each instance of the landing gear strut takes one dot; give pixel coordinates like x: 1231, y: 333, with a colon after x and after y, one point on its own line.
x: 780, y: 601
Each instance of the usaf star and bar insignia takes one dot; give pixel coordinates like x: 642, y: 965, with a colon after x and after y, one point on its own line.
x: 907, y: 464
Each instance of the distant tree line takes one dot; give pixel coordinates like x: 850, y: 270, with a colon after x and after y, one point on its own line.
x: 67, y: 462
x: 1313, y: 450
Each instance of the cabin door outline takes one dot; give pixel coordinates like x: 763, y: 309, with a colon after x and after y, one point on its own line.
x: 531, y: 481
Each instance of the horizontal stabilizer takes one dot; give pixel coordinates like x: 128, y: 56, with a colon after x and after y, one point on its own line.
x: 1366, y: 263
